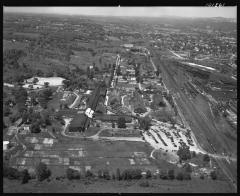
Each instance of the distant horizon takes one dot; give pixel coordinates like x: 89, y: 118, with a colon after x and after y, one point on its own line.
x: 149, y: 12
x: 162, y: 16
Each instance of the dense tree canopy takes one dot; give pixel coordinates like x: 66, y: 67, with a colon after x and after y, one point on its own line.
x: 42, y: 171
x: 145, y: 123
x: 184, y: 152
x: 121, y: 122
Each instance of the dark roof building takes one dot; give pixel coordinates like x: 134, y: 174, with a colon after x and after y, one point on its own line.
x: 79, y: 123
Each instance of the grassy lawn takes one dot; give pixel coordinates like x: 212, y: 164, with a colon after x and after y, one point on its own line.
x: 70, y: 99
x: 120, y: 133
x: 67, y: 112
x: 92, y: 131
x: 104, y: 186
x: 55, y: 101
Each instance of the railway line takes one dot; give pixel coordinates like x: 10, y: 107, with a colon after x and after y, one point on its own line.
x: 202, y: 127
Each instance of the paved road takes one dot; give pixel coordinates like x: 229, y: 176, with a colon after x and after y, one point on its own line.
x: 75, y: 101
x: 201, y: 124
x: 176, y: 55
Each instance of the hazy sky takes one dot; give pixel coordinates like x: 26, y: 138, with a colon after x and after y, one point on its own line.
x: 228, y: 12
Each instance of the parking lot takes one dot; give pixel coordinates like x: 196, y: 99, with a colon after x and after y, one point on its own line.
x: 166, y: 137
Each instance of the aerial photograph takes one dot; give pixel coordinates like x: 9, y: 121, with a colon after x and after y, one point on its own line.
x: 119, y: 99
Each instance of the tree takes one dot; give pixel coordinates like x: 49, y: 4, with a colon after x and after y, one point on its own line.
x: 6, y: 110
x: 213, y: 175
x: 113, y: 125
x: 172, y: 121
x: 114, y: 101
x: 118, y: 71
x: 25, y: 117
x: 42, y: 102
x: 14, y: 117
x: 45, y: 116
x: 121, y: 122
x: 118, y: 174
x: 39, y: 73
x: 186, y: 176
x: 34, y: 117
x: 187, y: 168
x: 206, y: 158
x: 126, y: 175
x: 193, y: 154
x: 35, y: 80
x: 25, y: 176
x: 202, y: 176
x: 46, y: 84
x: 100, y: 173
x: 42, y: 171
x: 35, y: 127
x: 100, y: 108
x: 20, y: 95
x: 33, y: 97
x: 89, y: 174
x: 113, y: 176
x: 4, y: 124
x: 144, y: 184
x: 72, y: 174
x: 132, y: 174
x: 68, y: 54
x: 21, y: 107
x: 47, y: 93
x: 163, y: 174
x: 11, y: 173
x: 148, y: 174
x: 184, y: 152
x: 96, y: 69
x: 171, y: 175
x: 106, y: 174
x: 140, y: 109
x: 90, y: 73
x: 44, y: 97
x: 144, y: 123
x: 49, y: 74
x: 66, y: 83
x: 179, y: 176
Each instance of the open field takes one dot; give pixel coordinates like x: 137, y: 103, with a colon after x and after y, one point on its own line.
x: 104, y: 186
x: 80, y: 153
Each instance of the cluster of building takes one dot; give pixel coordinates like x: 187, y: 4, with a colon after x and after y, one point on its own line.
x: 196, y: 43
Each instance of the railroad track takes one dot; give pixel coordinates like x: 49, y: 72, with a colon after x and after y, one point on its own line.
x: 201, y: 126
